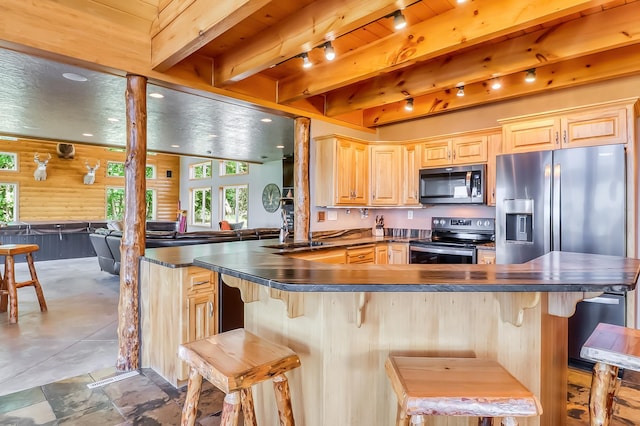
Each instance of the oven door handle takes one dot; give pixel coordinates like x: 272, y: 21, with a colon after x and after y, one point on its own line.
x: 448, y: 250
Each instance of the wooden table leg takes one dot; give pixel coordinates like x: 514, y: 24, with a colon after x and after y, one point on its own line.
x: 603, y: 389
x: 190, y: 407
x: 10, y: 282
x: 36, y: 283
x: 4, y: 292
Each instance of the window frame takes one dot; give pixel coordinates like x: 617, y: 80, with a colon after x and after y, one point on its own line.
x: 154, y: 202
x: 16, y: 161
x: 222, y: 199
x: 222, y: 169
x: 16, y: 201
x: 151, y: 167
x: 193, y: 192
x: 194, y: 166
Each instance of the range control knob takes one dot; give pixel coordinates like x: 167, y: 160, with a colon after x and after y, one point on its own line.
x: 487, y: 223
x: 479, y: 223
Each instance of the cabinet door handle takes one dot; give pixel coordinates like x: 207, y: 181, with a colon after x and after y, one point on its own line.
x: 448, y: 155
x: 564, y: 137
x: 557, y: 138
x: 454, y: 154
x: 210, y: 309
x: 200, y: 283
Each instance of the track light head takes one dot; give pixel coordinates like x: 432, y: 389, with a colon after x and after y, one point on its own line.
x: 306, y: 63
x: 530, y: 76
x: 409, y: 105
x: 329, y: 52
x: 398, y: 20
x: 460, y: 92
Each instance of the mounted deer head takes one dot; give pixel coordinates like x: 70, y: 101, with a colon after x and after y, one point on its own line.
x: 90, y: 177
x: 41, y: 170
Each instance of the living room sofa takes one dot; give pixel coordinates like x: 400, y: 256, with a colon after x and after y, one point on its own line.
x: 106, y: 242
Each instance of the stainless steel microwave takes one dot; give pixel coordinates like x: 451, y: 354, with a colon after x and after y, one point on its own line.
x: 453, y: 185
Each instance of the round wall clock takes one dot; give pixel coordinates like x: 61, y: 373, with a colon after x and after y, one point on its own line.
x: 271, y: 197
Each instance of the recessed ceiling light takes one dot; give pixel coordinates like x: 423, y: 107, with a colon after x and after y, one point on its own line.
x: 496, y: 84
x: 175, y: 146
x: 113, y: 120
x: 212, y: 136
x: 156, y: 95
x: 266, y: 120
x: 87, y: 134
x: 8, y: 138
x: 280, y: 146
x: 74, y: 77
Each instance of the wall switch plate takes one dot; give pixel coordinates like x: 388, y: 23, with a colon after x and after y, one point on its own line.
x: 410, y: 214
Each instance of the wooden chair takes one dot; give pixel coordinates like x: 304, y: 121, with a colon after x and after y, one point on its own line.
x: 8, y: 285
x: 234, y: 361
x: 468, y: 387
x: 611, y: 347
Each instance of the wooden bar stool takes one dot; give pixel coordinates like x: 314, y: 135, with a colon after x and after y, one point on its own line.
x: 8, y: 285
x: 468, y: 387
x: 234, y: 361
x: 611, y: 347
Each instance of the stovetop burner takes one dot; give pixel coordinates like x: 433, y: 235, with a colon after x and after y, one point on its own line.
x: 460, y: 232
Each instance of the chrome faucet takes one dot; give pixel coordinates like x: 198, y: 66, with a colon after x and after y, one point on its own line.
x: 284, y: 229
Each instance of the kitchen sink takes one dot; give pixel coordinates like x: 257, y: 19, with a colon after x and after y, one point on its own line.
x: 301, y: 244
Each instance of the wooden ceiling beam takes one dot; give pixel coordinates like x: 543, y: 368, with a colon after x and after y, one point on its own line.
x: 461, y: 27
x: 601, y: 66
x: 184, y: 27
x: 305, y: 29
x: 567, y: 40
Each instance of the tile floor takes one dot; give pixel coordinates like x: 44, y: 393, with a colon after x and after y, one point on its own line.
x: 47, y: 360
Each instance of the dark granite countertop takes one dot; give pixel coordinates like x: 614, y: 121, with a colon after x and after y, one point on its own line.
x: 255, y: 262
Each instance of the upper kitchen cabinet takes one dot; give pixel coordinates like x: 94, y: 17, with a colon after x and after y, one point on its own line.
x: 410, y: 172
x: 494, y: 149
x: 600, y: 124
x: 467, y: 149
x: 342, y: 172
x: 385, y: 175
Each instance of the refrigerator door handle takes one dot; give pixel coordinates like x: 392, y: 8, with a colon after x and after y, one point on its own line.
x: 603, y: 300
x: 555, y: 226
x: 546, y: 219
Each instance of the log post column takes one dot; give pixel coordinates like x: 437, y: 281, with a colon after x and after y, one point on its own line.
x: 301, y: 179
x: 133, y: 236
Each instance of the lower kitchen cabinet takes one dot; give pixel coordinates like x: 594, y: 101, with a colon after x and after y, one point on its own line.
x: 361, y: 254
x: 486, y: 257
x: 382, y: 254
x: 177, y: 305
x: 398, y: 253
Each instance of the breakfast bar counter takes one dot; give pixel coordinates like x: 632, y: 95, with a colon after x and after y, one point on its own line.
x: 344, y: 320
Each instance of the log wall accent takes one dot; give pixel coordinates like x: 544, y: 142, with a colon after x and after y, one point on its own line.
x: 301, y: 179
x: 133, y: 236
x: 63, y: 195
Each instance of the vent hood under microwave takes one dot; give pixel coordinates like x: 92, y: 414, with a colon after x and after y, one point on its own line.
x: 453, y: 185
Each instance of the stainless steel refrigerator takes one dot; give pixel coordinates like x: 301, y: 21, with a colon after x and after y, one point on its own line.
x: 568, y: 200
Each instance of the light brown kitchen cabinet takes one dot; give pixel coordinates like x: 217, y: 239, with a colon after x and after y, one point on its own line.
x: 409, y: 175
x: 382, y: 254
x: 398, y: 253
x: 342, y: 172
x: 385, y: 175
x: 361, y: 254
x: 337, y: 255
x: 494, y: 149
x: 471, y: 149
x: 486, y: 257
x: 177, y: 305
x: 600, y: 124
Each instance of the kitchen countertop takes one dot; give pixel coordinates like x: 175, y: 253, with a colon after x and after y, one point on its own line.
x: 255, y: 262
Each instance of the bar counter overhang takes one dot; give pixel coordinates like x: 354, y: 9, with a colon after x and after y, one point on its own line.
x: 344, y: 321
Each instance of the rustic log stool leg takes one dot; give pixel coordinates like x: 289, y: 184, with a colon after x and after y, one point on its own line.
x: 230, y: 409
x: 233, y: 362
x: 246, y: 401
x: 611, y: 347
x: 190, y: 408
x: 603, y: 389
x: 4, y: 291
x: 36, y: 283
x: 465, y: 387
x: 10, y: 282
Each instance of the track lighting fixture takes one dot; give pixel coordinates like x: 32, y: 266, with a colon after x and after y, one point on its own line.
x: 460, y: 92
x: 306, y: 63
x: 530, y: 76
x: 329, y: 53
x: 409, y: 105
x: 398, y: 20
x: 496, y: 84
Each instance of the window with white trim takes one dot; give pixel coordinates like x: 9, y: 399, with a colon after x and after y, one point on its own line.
x: 201, y: 206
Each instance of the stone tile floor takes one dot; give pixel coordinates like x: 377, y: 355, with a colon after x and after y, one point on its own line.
x: 144, y: 399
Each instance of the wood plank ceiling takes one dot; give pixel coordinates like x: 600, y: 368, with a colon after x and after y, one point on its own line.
x: 254, y: 47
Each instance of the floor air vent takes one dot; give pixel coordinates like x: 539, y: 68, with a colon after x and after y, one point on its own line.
x: 113, y: 379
